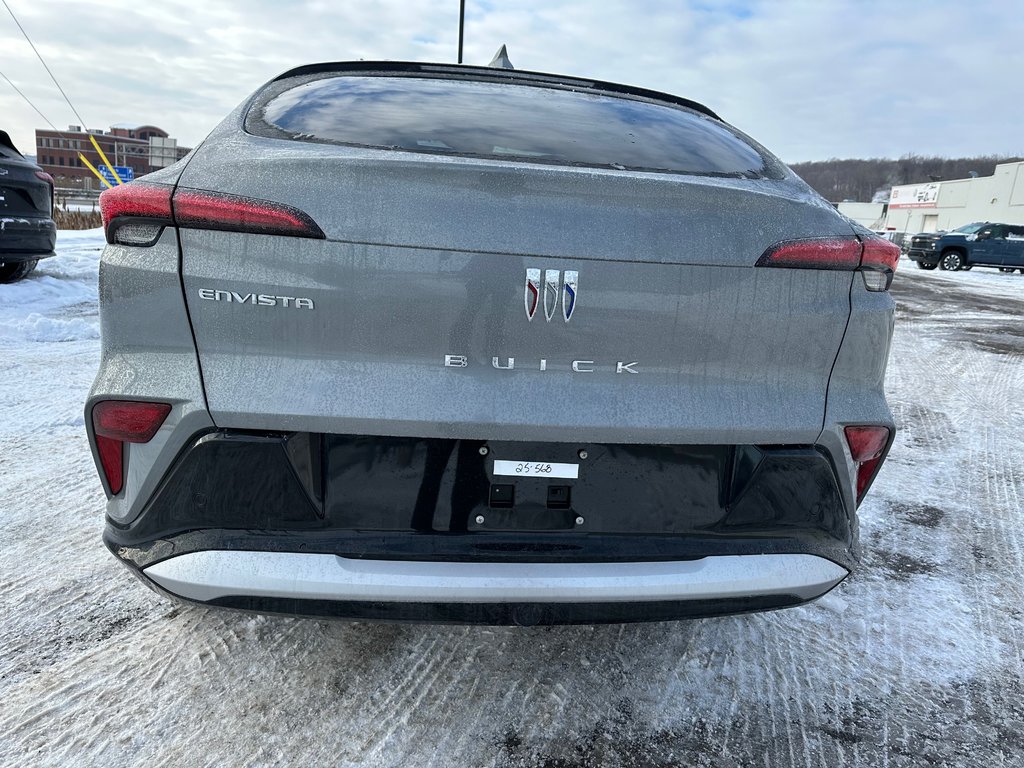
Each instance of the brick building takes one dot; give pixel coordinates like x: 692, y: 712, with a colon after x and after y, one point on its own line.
x: 143, y: 148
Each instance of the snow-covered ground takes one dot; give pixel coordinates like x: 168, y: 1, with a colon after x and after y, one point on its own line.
x: 916, y: 660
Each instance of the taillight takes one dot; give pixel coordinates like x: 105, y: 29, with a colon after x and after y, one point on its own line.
x: 819, y: 253
x: 867, y: 448
x: 44, y: 176
x: 875, y: 258
x: 880, y: 254
x: 206, y: 210
x: 879, y: 263
x: 139, y: 209
x: 116, y: 422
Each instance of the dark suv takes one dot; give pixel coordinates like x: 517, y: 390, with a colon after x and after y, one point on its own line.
x: 27, y: 231
x: 980, y: 244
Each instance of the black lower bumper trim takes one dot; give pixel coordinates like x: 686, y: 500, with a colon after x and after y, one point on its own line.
x: 413, y: 498
x: 384, y: 498
x: 26, y: 239
x: 18, y: 258
x: 507, y: 614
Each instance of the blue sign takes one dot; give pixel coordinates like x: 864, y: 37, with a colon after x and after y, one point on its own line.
x: 126, y: 174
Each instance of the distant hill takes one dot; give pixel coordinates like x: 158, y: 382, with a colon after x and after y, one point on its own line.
x: 838, y: 180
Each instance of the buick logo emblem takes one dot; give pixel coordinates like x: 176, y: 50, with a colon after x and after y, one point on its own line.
x: 559, y: 288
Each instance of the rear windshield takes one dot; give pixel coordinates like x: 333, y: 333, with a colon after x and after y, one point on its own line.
x: 505, y: 120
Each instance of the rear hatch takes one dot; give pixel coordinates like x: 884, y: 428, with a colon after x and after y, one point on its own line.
x: 473, y: 296
x: 26, y: 203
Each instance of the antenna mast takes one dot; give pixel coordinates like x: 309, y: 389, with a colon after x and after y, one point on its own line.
x: 462, y: 21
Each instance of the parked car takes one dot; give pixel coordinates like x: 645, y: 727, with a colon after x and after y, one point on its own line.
x: 450, y: 343
x: 27, y: 231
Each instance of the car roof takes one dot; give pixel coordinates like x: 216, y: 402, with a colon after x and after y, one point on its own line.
x: 491, y: 74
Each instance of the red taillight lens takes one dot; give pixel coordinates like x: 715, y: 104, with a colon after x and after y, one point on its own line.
x: 206, y: 210
x: 112, y: 460
x: 135, y: 200
x: 195, y: 209
x: 822, y: 253
x: 127, y: 420
x: 867, y: 444
x: 875, y: 258
x: 116, y: 422
x: 879, y: 263
x: 865, y: 472
x: 880, y: 254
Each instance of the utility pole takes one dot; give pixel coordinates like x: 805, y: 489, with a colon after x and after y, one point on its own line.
x: 462, y: 21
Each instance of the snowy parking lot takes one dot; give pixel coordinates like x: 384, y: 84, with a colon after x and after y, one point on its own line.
x: 915, y: 660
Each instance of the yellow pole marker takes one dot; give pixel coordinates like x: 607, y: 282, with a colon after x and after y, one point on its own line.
x: 92, y: 168
x: 110, y: 165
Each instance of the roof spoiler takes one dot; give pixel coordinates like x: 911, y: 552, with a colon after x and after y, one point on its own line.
x: 5, y: 140
x: 466, y: 71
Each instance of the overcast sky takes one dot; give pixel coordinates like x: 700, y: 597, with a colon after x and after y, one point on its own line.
x: 810, y: 80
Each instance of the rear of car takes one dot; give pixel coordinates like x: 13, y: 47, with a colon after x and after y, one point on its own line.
x: 424, y: 342
x: 27, y: 230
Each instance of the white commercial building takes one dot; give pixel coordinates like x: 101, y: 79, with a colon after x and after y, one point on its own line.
x: 945, y: 205
x: 866, y: 214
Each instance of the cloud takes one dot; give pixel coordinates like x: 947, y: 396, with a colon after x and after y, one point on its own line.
x: 810, y: 80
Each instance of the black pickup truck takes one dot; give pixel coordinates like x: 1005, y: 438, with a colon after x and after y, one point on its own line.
x: 981, y: 244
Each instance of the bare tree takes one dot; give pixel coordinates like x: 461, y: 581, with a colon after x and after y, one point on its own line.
x: 838, y: 180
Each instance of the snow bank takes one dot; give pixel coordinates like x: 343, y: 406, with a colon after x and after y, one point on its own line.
x: 987, y: 281
x: 58, y: 301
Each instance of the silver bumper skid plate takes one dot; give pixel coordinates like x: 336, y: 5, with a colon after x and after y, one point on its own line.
x: 209, y: 575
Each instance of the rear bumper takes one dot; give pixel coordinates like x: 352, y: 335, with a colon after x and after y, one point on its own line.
x: 26, y: 239
x: 410, y: 529
x: 493, y: 592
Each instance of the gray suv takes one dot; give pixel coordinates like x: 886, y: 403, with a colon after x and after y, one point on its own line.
x: 443, y: 343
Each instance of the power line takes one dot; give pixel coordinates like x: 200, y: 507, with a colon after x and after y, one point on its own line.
x: 38, y: 111
x: 43, y: 62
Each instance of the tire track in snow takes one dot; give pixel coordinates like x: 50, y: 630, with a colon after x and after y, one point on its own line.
x: 442, y: 667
